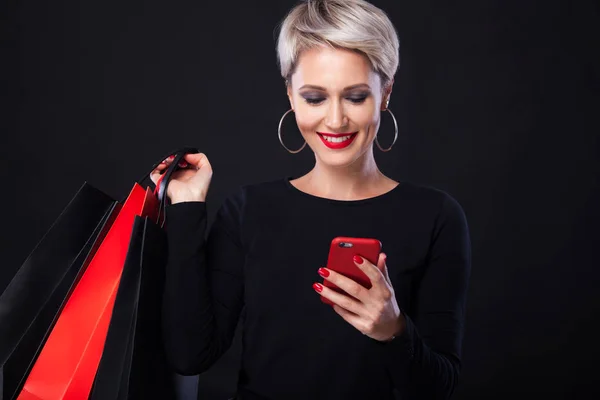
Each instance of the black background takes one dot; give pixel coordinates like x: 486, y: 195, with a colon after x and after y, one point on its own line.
x: 497, y: 103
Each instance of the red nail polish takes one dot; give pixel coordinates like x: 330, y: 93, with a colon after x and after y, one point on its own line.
x: 170, y: 158
x: 358, y: 259
x: 183, y: 164
x: 318, y: 287
x: 323, y: 272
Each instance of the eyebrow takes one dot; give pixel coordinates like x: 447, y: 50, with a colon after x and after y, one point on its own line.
x: 357, y: 86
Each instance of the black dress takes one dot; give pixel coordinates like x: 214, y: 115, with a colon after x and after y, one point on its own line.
x: 262, y: 253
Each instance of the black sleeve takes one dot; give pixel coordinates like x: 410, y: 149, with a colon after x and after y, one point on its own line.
x: 203, y: 285
x: 425, y: 359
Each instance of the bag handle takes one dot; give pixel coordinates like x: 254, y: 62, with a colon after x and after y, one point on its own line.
x: 161, y: 186
x: 186, y: 150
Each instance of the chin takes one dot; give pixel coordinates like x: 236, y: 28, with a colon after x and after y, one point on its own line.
x: 338, y: 160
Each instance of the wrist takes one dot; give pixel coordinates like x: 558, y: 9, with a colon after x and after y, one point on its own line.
x: 400, y: 326
x: 188, y: 197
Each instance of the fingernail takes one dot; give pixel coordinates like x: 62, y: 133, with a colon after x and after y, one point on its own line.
x: 323, y: 272
x: 318, y: 287
x: 170, y: 158
x: 183, y: 164
x: 358, y: 259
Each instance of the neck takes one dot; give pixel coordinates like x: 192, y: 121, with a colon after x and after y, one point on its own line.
x: 346, y: 182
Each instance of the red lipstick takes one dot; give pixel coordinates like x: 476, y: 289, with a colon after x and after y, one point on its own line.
x: 337, y: 145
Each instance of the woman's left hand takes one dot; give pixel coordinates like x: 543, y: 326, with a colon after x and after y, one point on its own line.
x: 374, y: 311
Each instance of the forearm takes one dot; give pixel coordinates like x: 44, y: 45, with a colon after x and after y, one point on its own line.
x: 188, y: 313
x: 418, y: 371
x: 427, y: 354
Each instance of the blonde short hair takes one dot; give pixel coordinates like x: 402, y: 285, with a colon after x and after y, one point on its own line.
x: 348, y: 24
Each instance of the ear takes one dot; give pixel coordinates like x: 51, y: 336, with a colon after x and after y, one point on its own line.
x: 289, y: 94
x: 387, y: 93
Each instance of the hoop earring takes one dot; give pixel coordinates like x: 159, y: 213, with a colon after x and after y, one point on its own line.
x: 395, y: 133
x: 279, y: 134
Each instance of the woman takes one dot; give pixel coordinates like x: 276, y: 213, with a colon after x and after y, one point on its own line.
x: 265, y: 252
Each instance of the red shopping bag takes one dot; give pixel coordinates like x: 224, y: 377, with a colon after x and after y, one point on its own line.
x: 67, y: 364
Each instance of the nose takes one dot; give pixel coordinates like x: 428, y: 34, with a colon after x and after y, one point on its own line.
x: 336, y: 118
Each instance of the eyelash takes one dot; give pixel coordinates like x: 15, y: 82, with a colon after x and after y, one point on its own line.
x: 354, y: 100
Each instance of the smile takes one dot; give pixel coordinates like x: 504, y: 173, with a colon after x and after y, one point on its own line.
x: 337, y: 141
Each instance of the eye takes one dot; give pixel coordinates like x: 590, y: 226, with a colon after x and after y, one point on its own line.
x: 314, y: 100
x: 357, y: 99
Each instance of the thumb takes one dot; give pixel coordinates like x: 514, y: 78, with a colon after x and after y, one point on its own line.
x: 198, y: 160
x: 155, y: 176
x: 381, y: 264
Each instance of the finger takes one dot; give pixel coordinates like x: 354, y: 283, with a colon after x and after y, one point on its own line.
x: 351, y: 318
x: 167, y: 161
x: 348, y: 285
x: 340, y: 299
x: 382, y: 266
x: 155, y: 175
x: 372, y: 272
x: 197, y: 160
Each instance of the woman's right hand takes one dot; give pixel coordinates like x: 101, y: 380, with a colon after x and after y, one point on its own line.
x: 190, y: 183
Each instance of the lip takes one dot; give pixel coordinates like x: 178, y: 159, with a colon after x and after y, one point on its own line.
x: 337, y: 146
x: 336, y: 134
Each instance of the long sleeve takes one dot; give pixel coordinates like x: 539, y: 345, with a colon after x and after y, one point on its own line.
x: 425, y: 359
x: 204, y: 287
x: 257, y: 257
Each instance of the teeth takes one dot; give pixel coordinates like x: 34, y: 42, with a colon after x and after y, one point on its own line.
x: 336, y: 140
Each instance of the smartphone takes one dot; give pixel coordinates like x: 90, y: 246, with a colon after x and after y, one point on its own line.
x: 340, y: 259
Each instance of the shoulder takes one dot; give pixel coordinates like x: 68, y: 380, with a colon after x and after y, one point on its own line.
x: 273, y: 187
x: 439, y: 214
x: 262, y: 192
x: 249, y: 191
x: 432, y: 201
x: 427, y: 195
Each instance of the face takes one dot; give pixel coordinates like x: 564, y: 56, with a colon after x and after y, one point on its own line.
x: 336, y: 94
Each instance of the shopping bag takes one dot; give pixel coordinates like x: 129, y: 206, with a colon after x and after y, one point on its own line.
x: 69, y: 358
x: 33, y: 299
x: 67, y: 363
x: 133, y: 364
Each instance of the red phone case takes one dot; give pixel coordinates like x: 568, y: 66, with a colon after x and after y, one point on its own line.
x: 341, y: 253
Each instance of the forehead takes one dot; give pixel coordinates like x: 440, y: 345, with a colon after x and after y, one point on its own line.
x: 333, y: 68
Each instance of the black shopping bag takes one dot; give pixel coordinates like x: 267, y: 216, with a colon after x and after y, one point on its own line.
x: 133, y: 364
x: 34, y: 298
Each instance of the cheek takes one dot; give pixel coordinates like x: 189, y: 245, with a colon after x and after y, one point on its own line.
x: 364, y: 117
x: 308, y: 118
